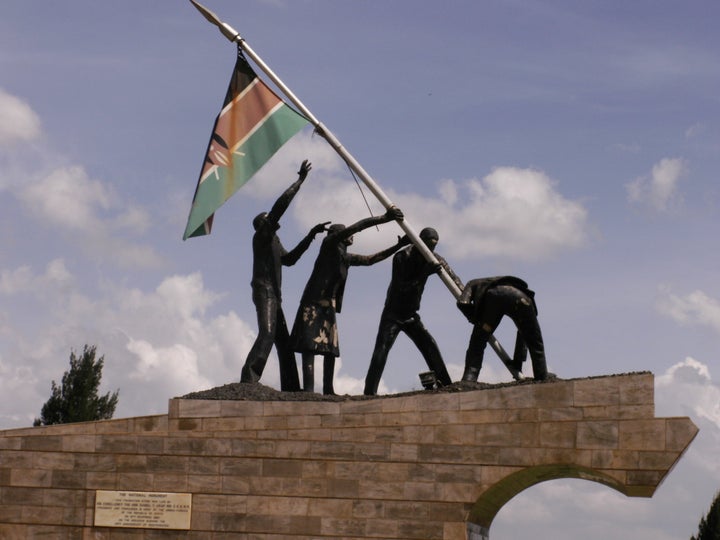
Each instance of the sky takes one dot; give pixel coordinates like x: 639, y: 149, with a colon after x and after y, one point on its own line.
x: 573, y: 144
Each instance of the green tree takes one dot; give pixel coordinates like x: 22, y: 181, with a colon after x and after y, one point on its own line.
x: 77, y: 400
x: 709, y: 527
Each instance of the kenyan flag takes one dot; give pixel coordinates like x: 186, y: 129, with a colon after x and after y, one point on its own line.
x: 252, y: 125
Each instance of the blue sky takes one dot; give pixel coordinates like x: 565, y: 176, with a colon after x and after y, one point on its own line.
x: 575, y: 145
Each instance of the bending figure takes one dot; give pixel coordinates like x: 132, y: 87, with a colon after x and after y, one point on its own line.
x: 484, y: 302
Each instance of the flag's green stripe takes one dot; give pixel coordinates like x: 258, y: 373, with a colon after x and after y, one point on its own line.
x: 249, y: 157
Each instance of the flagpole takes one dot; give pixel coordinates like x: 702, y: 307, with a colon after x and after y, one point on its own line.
x: 232, y: 35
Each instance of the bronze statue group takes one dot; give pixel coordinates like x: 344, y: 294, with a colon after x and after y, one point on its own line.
x: 484, y: 302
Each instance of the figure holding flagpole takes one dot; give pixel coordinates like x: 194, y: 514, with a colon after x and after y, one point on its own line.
x: 269, y: 256
x: 315, y: 328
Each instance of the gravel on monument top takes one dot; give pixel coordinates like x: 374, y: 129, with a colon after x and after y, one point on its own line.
x: 260, y: 392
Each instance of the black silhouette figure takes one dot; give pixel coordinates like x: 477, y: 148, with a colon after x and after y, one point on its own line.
x: 269, y: 256
x: 315, y: 328
x: 410, y: 272
x: 484, y: 302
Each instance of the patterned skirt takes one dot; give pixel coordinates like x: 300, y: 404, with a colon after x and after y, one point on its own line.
x: 315, y: 330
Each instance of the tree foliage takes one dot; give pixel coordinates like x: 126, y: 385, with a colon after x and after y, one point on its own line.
x: 709, y: 527
x: 76, y: 399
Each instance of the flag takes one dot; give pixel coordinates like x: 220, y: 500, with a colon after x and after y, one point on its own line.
x: 252, y: 125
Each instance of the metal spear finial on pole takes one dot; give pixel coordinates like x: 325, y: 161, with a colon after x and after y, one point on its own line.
x: 232, y: 35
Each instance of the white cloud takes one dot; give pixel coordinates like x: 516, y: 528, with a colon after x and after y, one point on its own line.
x: 176, y: 365
x: 688, y: 385
x: 659, y: 190
x: 18, y: 122
x: 70, y: 201
x: 133, y: 219
x: 23, y: 280
x: 695, y: 308
x: 69, y: 198
x: 512, y: 212
x: 696, y: 130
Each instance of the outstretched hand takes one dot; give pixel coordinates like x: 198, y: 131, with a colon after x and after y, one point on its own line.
x: 320, y: 227
x: 466, y: 310
x: 305, y: 168
x: 394, y: 213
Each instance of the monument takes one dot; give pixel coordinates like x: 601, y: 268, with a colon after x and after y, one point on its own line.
x: 245, y: 461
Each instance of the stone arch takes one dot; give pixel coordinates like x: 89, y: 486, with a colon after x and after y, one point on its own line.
x: 486, y: 507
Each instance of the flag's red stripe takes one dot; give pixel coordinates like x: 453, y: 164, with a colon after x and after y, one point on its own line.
x: 238, y: 119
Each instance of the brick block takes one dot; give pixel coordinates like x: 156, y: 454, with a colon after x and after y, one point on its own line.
x: 455, y: 434
x: 340, y: 508
x: 45, y: 444
x: 135, y: 482
x: 244, y: 409
x: 560, y: 414
x: 597, y: 434
x: 369, y: 509
x: 521, y: 434
x: 614, y: 459
x: 293, y: 449
x: 637, y: 389
x: 382, y: 528
x: 403, y: 452
x: 198, y: 408
x: 420, y: 529
x: 30, y: 477
x: 603, y: 391
x: 13, y: 459
x: 24, y: 496
x: 661, y: 461
x: 679, y: 433
x: 78, y: 443
x: 173, y: 483
x: 101, y: 480
x: 558, y: 434
x: 642, y: 434
x: 281, y: 467
x: 116, y: 444
x: 68, y: 479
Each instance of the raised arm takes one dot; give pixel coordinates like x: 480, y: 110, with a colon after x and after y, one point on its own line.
x: 393, y: 213
x: 366, y: 260
x: 450, y: 271
x: 291, y: 257
x: 286, y: 198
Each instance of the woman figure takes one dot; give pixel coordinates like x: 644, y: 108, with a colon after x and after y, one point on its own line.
x: 315, y: 328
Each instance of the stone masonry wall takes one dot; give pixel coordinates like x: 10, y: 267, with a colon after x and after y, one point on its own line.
x: 420, y: 466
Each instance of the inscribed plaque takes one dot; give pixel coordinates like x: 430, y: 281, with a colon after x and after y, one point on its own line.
x: 142, y: 509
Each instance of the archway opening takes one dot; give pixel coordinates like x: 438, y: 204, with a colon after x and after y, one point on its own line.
x: 488, y: 505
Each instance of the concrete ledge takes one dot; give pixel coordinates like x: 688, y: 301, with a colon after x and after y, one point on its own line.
x: 430, y: 466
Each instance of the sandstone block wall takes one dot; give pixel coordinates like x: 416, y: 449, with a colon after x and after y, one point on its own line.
x: 423, y: 466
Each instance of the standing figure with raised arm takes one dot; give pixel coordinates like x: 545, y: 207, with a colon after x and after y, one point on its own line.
x: 410, y: 271
x: 315, y: 328
x: 269, y: 256
x: 484, y: 302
